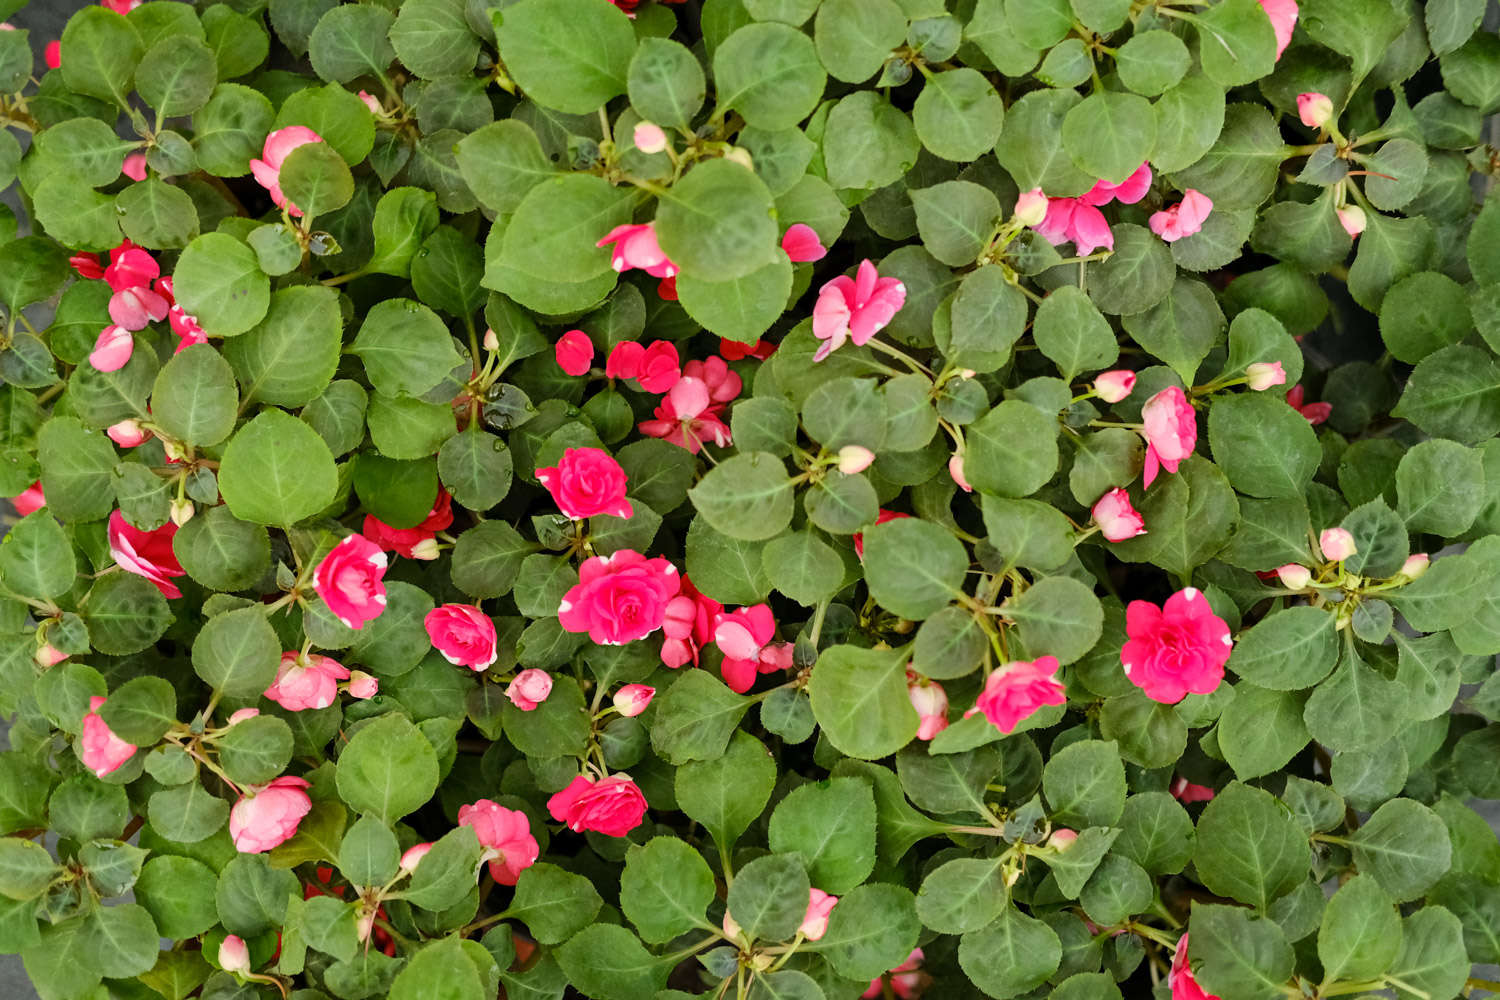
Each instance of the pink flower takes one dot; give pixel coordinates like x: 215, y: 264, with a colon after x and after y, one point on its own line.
x: 655, y: 369
x: 113, y: 349
x: 1337, y: 544
x: 1315, y: 413
x: 632, y: 699
x: 53, y: 54
x: 1170, y: 429
x: 1014, y: 692
x: 1117, y: 518
x: 362, y: 685
x: 1283, y: 15
x: 505, y: 835
x: 931, y: 703
x: 881, y: 518
x: 120, y: 7
x: 1182, y: 219
x: 688, y: 418
x: 103, y: 751
x: 1186, y: 792
x: 134, y: 166
x: 1352, y: 218
x: 1180, y: 978
x: 722, y: 382
x: 636, y: 246
x: 418, y: 542
x: 1031, y: 207
x: 128, y: 433
x: 268, y: 815
x: 612, y: 806
x: 648, y: 137
x: 463, y: 634
x: 1262, y: 375
x: 956, y: 472
x: 29, y: 500
x: 1175, y: 650
x: 575, y: 353
x: 1314, y: 109
x: 854, y: 459
x: 370, y: 101
x: 1129, y: 191
x: 49, y: 655
x: 906, y: 981
x: 529, y: 689
x: 414, y: 854
x: 745, y: 638
x: 855, y: 308
x: 304, y: 682
x: 87, y: 265
x: 1415, y: 565
x: 688, y: 626
x: 734, y: 350
x: 586, y: 482
x: 130, y: 267
x: 801, y: 244
x: 620, y: 597
x: 1293, y: 576
x: 815, y: 921
x: 267, y: 169
x: 134, y: 308
x: 234, y: 954
x: 241, y: 714
x: 350, y: 580
x: 1072, y: 220
x: 145, y: 553
x: 1115, y: 385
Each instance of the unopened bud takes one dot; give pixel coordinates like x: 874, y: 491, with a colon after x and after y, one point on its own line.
x: 632, y: 699
x: 956, y: 471
x: 1415, y: 565
x: 1114, y: 386
x: 182, y: 511
x: 1293, y: 576
x: 234, y: 954
x: 1031, y: 207
x: 491, y: 342
x: 853, y: 458
x: 427, y: 549
x: 364, y: 924
x: 649, y: 138
x: 1337, y: 544
x: 732, y: 930
x: 740, y: 155
x: 414, y: 856
x: 1314, y: 109
x: 1352, y: 218
x: 242, y: 714
x: 362, y: 685
x: 1062, y: 839
x: 127, y: 433
x: 174, y: 450
x: 1264, y: 374
x: 371, y: 102
x: 49, y: 655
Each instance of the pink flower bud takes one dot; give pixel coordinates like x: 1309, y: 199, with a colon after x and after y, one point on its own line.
x: 1062, y: 839
x: 1117, y: 517
x: 740, y: 155
x: 243, y: 714
x: 1031, y: 207
x: 362, y: 685
x: 234, y: 954
x: 815, y: 921
x: 1337, y: 544
x: 182, y: 511
x: 1352, y: 218
x: 967, y: 373
x: 370, y: 102
x: 956, y: 470
x: 1114, y: 386
x: 413, y: 857
x: 649, y: 138
x: 931, y: 703
x: 529, y: 689
x: 49, y: 655
x: 427, y: 549
x: 364, y: 924
x: 491, y: 342
x: 53, y: 54
x: 632, y: 699
x: 1293, y: 576
x: 853, y: 458
x: 1264, y: 374
x: 1314, y: 109
x: 1415, y: 565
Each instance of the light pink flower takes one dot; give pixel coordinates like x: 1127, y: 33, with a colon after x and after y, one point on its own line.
x: 304, y: 682
x: 350, y: 580
x: 1072, y: 220
x: 505, y: 835
x: 1262, y: 375
x: 612, y: 806
x: 855, y: 308
x: 29, y: 500
x: 1314, y: 109
x: 1031, y: 207
x: 801, y: 244
x: 956, y: 472
x: 413, y: 855
x: 620, y: 597
x: 1415, y: 565
x: 632, y: 699
x: 1170, y: 429
x: 1115, y: 385
x: 635, y: 246
x: 463, y: 634
x: 362, y: 685
x: 1315, y: 413
x: 1187, y: 793
x: 688, y: 626
x: 103, y: 751
x: 586, y: 482
x: 815, y: 921
x: 688, y: 418
x: 1183, y: 219
x: 267, y: 169
x: 1015, y: 692
x: 113, y: 349
x: 1117, y: 517
x: 370, y: 101
x: 723, y: 383
x: 854, y: 459
x: 1293, y: 576
x: 146, y: 553
x: 128, y: 433
x: 1175, y: 650
x: 906, y: 980
x: 234, y: 954
x: 529, y: 689
x: 268, y: 815
x: 648, y: 137
x: 1353, y: 219
x: 1180, y: 978
x: 1283, y: 15
x: 1337, y: 544
x: 575, y: 353
x: 134, y: 166
x: 241, y: 714
x: 931, y: 704
x: 1129, y: 191
x: 745, y: 637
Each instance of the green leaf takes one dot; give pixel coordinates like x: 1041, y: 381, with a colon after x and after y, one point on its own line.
x: 665, y: 889
x: 1070, y: 331
x: 1454, y: 393
x: 1182, y: 328
x: 1249, y: 847
x: 914, y: 567
x: 388, y: 768
x: 555, y: 904
x: 100, y: 50
x: 36, y: 559
x: 962, y: 895
x: 1360, y: 29
x: 26, y: 869
x: 179, y: 895
x: 176, y: 76
x: 1152, y: 61
x: 695, y: 718
x: 141, y: 710
x: 315, y: 178
x: 157, y: 215
x: 125, y: 613
x: 1239, y: 168
x: 868, y: 143
x: 1355, y: 709
x: 369, y: 853
x: 728, y: 793
x: 854, y: 37
x: 220, y: 551
x: 256, y: 750
x: 1109, y: 135
x: 718, y: 223
x: 1405, y: 847
x: 433, y: 38
x: 1288, y: 651
x: 831, y: 825
x: 958, y: 116
x: 1440, y: 488
x: 76, y: 468
x: 237, y: 652
x: 1261, y: 730
x: 231, y: 129
x: 1085, y: 784
x: 666, y: 82
x: 956, y: 220
x: 219, y: 281
x: 276, y: 470
x: 1058, y: 616
x: 1011, y: 956
x: 406, y: 349
x: 1011, y: 450
x: 770, y: 74
x: 859, y: 698
x: 439, y: 971
x: 448, y: 872
x: 741, y: 309
x: 748, y: 496
x: 801, y: 566
x: 404, y: 217
x: 1236, y: 42
x: 351, y: 41
x: 1241, y: 430
x: 1238, y: 953
x: 195, y: 399
x: 988, y: 317
x: 1432, y: 954
x: 609, y: 962
x: 1360, y: 935
x: 290, y: 356
x: 569, y: 55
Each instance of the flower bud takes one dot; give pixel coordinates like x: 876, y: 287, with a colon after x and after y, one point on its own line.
x: 242, y: 714
x: 649, y: 138
x: 364, y: 923
x: 1314, y: 109
x: 931, y: 703
x: 49, y: 655
x: 491, y: 342
x: 853, y: 458
x: 632, y: 699
x: 1415, y: 565
x: 1293, y: 576
x: 1062, y: 839
x: 414, y: 856
x: 1337, y: 544
x: 234, y: 954
x: 732, y: 930
x: 362, y: 685
x: 174, y: 450
x: 127, y: 433
x: 1264, y: 374
x: 182, y: 511
x: 1031, y: 207
x: 371, y: 102
x: 427, y: 548
x: 1114, y: 386
x: 967, y: 373
x: 740, y: 156
x: 1352, y: 218
x: 956, y: 470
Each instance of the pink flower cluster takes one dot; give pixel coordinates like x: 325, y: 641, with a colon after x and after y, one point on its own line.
x: 1015, y: 692
x: 1177, y: 649
x: 419, y: 542
x: 268, y: 815
x: 306, y: 681
x: 1079, y: 221
x: 141, y: 295
x: 692, y: 412
x: 464, y: 635
x: 745, y: 637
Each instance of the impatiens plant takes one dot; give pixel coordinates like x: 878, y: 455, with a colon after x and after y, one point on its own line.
x: 760, y: 499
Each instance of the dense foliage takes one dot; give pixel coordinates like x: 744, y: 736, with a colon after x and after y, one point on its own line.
x: 787, y: 499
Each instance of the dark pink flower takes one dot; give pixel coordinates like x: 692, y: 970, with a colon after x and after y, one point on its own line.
x: 575, y: 353
x: 1117, y: 517
x: 103, y: 752
x: 655, y: 368
x: 1175, y: 650
x: 1315, y: 413
x: 688, y: 626
x: 146, y: 553
x: 1072, y: 220
x: 1015, y: 691
x: 53, y: 54
x: 1186, y: 792
x: 350, y: 580
x: 505, y: 835
x: 801, y: 244
x: 745, y: 637
x: 881, y: 518
x: 463, y: 634
x: 612, y: 806
x: 687, y: 417
x: 267, y: 169
x: 134, y: 166
x: 29, y: 500
x: 418, y: 542
x: 130, y: 267
x: 306, y: 681
x: 619, y: 598
x: 635, y: 246
x: 855, y: 308
x: 1180, y: 978
x: 1170, y: 429
x: 906, y: 980
x: 529, y: 689
x: 586, y: 482
x: 1283, y: 15
x: 267, y: 816
x: 734, y: 350
x: 1129, y: 191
